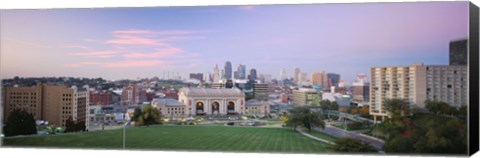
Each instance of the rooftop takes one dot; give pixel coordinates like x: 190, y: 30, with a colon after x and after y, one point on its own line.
x: 168, y: 102
x: 211, y: 92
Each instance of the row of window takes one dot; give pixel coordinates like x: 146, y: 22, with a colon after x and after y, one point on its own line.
x: 21, y: 93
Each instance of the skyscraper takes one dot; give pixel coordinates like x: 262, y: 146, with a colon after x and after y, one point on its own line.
x: 303, y: 77
x: 283, y: 74
x: 333, y: 79
x: 416, y: 83
x: 296, y: 76
x: 253, y: 74
x: 242, y: 72
x: 197, y: 76
x: 401, y: 82
x: 360, y: 89
x: 320, y: 78
x: 458, y: 52
x: 216, y: 74
x: 228, y: 71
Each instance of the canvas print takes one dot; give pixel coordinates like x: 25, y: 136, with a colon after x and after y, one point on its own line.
x: 366, y: 78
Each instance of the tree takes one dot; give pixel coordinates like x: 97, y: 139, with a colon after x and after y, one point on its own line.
x: 303, y: 116
x: 425, y: 133
x: 364, y: 111
x: 462, y: 111
x: 136, y: 113
x: 353, y: 111
x: 397, y: 107
x: 72, y: 126
x: 440, y: 108
x: 20, y: 122
x: 343, y: 109
x: 284, y: 118
x: 148, y: 116
x: 352, y: 145
x: 328, y: 105
x: 81, y: 126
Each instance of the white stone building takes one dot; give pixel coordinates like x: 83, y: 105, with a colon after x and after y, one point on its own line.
x: 207, y: 101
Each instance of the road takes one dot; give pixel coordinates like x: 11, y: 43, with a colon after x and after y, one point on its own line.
x: 339, y: 133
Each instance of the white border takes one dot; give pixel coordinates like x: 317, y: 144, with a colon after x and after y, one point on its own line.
x: 73, y: 153
x: 46, y: 4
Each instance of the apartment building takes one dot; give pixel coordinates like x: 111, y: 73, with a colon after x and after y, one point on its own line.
x: 415, y: 84
x: 53, y: 103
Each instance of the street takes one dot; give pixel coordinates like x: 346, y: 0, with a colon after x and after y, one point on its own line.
x: 336, y: 132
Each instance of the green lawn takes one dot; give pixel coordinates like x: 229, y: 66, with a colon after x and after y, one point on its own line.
x: 195, y: 138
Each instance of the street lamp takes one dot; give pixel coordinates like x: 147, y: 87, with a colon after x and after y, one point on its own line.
x: 345, y: 127
x: 127, y: 120
x: 124, y: 135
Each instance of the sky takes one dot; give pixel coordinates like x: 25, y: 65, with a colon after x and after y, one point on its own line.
x: 128, y: 43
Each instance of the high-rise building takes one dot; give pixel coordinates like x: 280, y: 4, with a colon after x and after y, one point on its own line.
x: 307, y: 97
x: 296, y: 76
x: 360, y: 89
x: 197, y: 76
x: 216, y: 74
x: 260, y: 91
x: 303, y: 78
x: 320, y: 78
x: 82, y: 100
x: 283, y: 74
x: 252, y: 75
x: 236, y: 75
x: 222, y: 76
x: 133, y: 94
x: 401, y: 82
x: 447, y: 83
x: 241, y: 72
x: 28, y: 99
x: 207, y: 77
x: 228, y: 71
x: 53, y: 103
x: 458, y: 52
x: 416, y: 84
x: 333, y: 79
x: 265, y: 78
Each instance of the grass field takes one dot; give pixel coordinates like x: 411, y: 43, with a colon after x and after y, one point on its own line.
x: 193, y: 138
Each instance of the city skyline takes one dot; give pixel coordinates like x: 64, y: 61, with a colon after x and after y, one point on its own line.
x: 127, y: 43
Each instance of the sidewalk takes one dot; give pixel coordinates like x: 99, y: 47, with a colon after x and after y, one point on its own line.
x: 315, y: 138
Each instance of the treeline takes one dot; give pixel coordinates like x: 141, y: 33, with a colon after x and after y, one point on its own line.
x: 439, y: 130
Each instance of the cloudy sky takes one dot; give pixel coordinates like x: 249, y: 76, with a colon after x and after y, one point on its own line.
x: 126, y: 43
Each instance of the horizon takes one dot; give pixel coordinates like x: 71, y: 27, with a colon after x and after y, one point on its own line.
x: 131, y: 43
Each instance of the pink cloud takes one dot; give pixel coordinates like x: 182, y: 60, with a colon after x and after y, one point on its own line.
x: 148, y: 32
x: 97, y: 54
x: 90, y: 40
x: 182, y: 38
x: 133, y: 63
x: 133, y: 40
x: 138, y: 48
x: 150, y: 38
x: 247, y: 7
x: 76, y: 46
x: 120, y: 64
x: 73, y: 65
x: 161, y: 52
x: 28, y: 43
